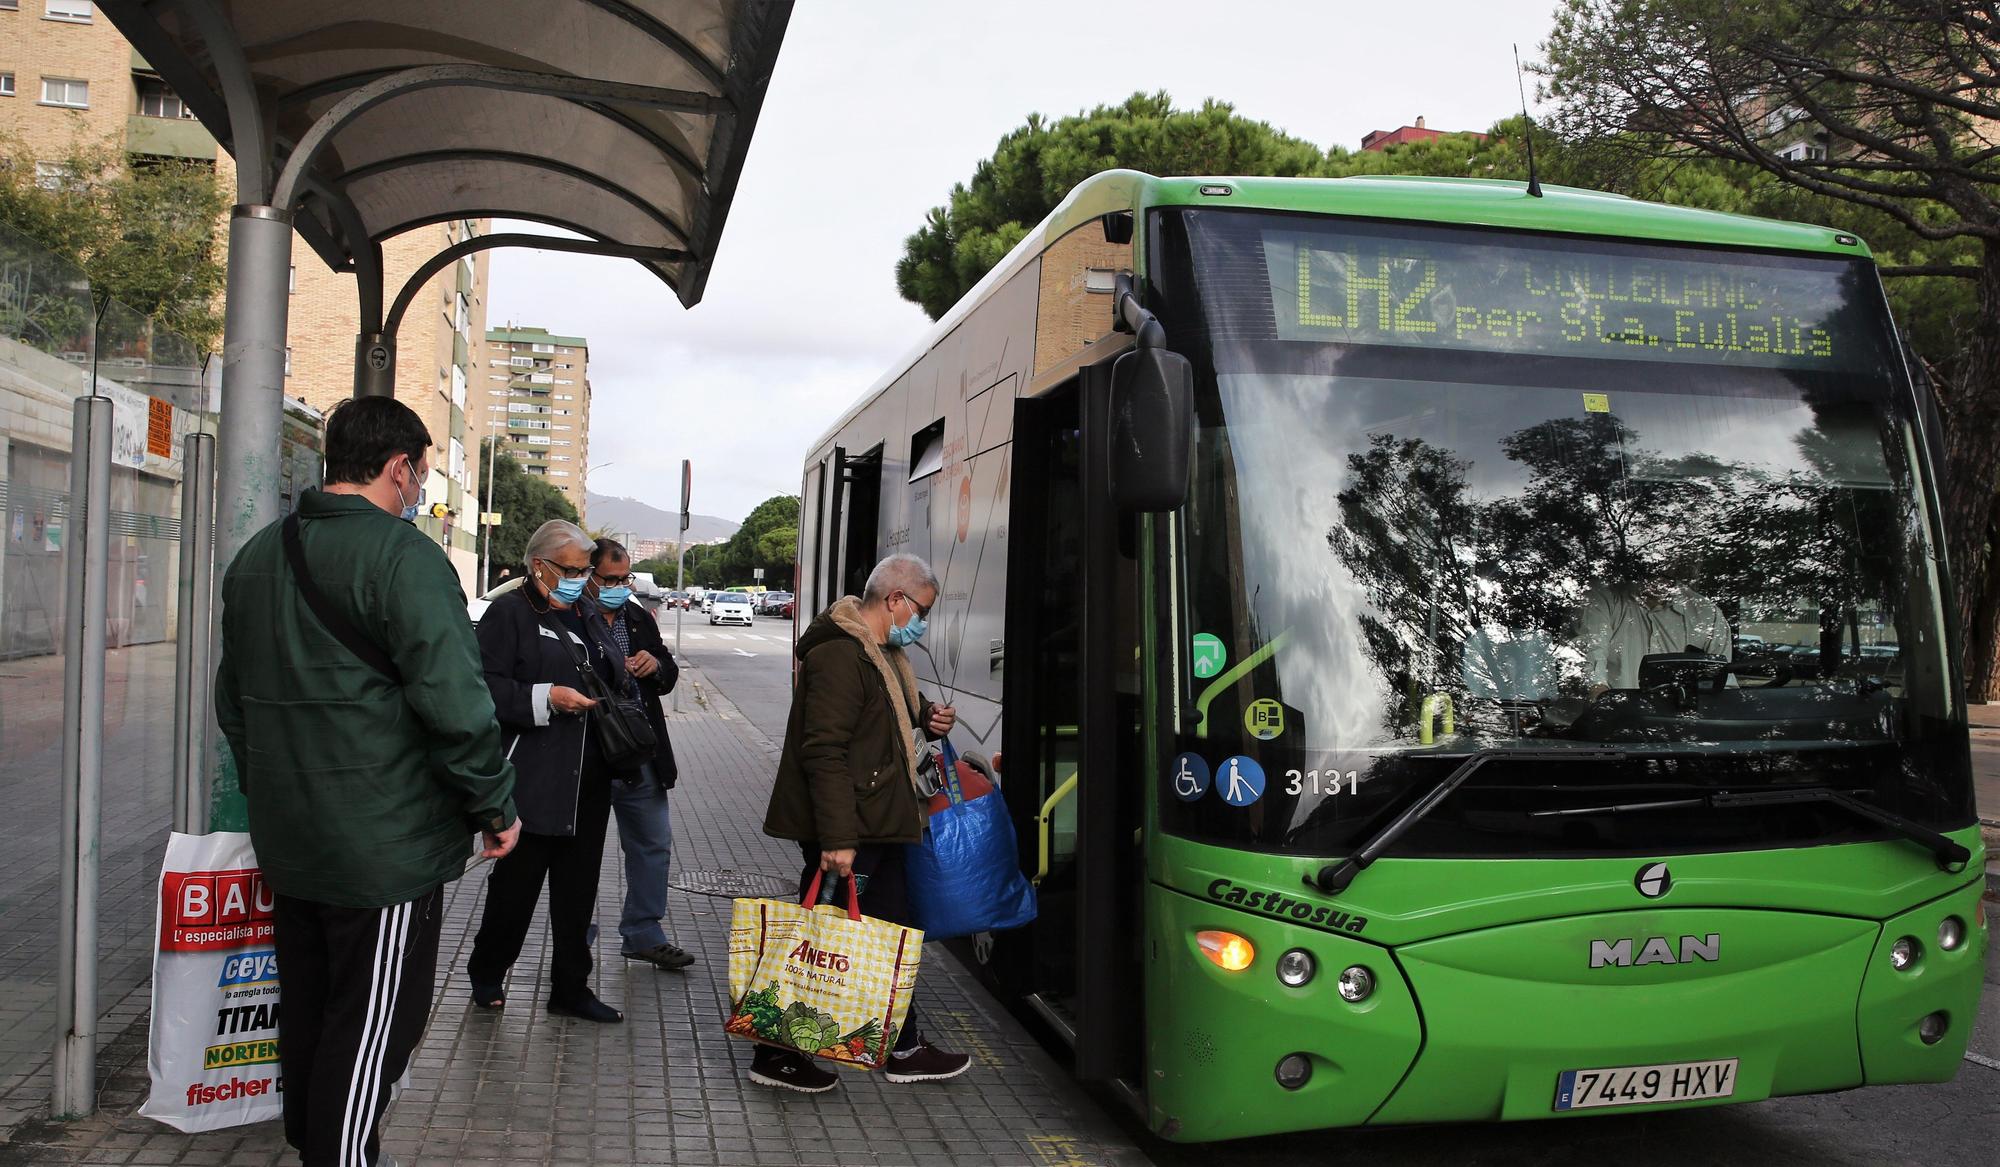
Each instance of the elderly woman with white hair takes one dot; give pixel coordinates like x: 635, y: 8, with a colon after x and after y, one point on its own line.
x: 531, y: 640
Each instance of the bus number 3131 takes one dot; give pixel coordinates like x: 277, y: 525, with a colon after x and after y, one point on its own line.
x: 1318, y: 782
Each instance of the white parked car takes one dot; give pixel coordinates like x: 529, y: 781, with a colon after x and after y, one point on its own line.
x: 477, y: 608
x: 729, y: 608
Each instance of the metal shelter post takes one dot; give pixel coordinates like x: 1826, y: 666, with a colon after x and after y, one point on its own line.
x: 191, y: 645
x: 87, y: 533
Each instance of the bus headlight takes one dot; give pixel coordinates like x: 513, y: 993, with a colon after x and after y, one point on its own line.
x: 1356, y: 983
x: 1296, y: 967
x: 1226, y: 949
x: 1903, y: 953
x: 1294, y: 1070
x: 1951, y: 933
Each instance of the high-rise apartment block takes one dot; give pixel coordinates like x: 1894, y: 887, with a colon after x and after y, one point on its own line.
x: 68, y: 79
x: 534, y: 393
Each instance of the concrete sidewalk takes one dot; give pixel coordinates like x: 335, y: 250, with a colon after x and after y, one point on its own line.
x: 666, y: 1087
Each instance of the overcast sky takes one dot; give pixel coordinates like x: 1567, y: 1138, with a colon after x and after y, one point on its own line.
x: 875, y: 110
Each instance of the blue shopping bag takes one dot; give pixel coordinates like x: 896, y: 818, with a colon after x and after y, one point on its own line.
x: 965, y: 876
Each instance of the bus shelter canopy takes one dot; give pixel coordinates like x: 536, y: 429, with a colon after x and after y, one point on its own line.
x: 631, y: 128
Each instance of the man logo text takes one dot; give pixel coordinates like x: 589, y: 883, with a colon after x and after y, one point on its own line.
x: 1655, y: 950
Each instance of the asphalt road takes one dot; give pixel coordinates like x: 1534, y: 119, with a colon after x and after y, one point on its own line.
x: 1954, y: 1123
x: 752, y: 666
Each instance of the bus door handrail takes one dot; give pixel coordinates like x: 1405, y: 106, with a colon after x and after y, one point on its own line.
x: 1045, y: 823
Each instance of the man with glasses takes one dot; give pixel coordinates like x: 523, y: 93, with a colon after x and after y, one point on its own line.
x: 645, y: 833
x: 852, y: 787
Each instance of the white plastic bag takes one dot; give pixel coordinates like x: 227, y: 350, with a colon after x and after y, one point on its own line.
x: 214, y: 1049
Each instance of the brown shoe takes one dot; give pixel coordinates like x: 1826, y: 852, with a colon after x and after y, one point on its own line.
x: 926, y: 1063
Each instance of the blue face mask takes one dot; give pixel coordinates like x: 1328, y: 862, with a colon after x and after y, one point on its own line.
x: 613, y: 597
x: 410, y: 511
x: 569, y: 591
x: 909, y: 633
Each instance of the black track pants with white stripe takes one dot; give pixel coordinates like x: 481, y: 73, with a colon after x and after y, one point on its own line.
x: 357, y: 991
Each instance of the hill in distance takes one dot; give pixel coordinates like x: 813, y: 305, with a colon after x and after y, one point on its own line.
x: 640, y: 521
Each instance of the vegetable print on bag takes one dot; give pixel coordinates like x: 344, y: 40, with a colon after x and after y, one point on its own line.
x: 824, y: 982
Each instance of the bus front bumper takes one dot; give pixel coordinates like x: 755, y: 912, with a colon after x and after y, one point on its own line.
x: 1503, y: 1023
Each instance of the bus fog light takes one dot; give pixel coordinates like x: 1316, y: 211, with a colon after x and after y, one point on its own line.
x: 1951, y: 933
x: 1903, y: 953
x: 1294, y: 1071
x: 1356, y: 983
x: 1932, y: 1028
x: 1296, y: 967
x: 1226, y: 949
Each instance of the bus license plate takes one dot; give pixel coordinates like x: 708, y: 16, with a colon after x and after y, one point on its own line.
x: 1639, y: 1085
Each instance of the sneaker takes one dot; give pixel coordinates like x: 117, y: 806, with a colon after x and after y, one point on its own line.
x: 790, y: 1071
x: 926, y: 1063
x: 667, y: 956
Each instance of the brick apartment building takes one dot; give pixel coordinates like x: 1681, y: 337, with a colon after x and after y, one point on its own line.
x: 68, y: 78
x: 534, y: 392
x: 1383, y: 139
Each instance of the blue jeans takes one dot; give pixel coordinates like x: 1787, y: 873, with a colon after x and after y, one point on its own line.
x: 646, y: 836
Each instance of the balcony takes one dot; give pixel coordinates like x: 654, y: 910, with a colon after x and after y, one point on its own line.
x: 168, y: 138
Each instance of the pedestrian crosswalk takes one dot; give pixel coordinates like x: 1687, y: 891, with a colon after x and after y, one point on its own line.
x: 707, y: 635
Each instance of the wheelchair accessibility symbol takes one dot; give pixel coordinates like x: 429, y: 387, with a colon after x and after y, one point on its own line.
x: 1190, y: 777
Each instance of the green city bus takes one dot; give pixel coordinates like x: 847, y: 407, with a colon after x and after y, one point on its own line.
x: 1476, y: 654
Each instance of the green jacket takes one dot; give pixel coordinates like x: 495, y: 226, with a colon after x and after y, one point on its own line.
x: 361, y: 793
x: 846, y: 776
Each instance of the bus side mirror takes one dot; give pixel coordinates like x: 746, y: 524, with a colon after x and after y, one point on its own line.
x: 1152, y: 429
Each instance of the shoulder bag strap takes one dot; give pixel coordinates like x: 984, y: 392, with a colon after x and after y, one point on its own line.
x: 593, y: 685
x: 347, y: 634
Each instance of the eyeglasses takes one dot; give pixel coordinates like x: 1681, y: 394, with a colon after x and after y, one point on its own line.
x: 569, y: 572
x: 923, y: 610
x: 614, y: 581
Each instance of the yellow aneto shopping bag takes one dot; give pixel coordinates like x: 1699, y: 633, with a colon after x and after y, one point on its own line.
x: 828, y: 983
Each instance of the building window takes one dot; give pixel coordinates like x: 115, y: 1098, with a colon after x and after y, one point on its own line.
x: 288, y: 360
x: 74, y: 11
x: 65, y: 92
x: 542, y: 348
x: 463, y: 316
x: 458, y: 386
x: 156, y: 100
x: 10, y: 5
x: 1803, y: 152
x: 458, y: 462
x: 521, y: 362
x: 292, y: 280
x: 6, y: 85
x: 53, y: 175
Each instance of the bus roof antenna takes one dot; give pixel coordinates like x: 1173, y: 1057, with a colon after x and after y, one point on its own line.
x: 1534, y: 184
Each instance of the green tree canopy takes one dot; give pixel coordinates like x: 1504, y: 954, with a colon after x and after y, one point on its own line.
x: 768, y: 538
x: 146, y: 236
x: 524, y: 502
x: 1035, y: 166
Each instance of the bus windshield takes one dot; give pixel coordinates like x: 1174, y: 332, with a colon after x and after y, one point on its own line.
x: 1460, y: 490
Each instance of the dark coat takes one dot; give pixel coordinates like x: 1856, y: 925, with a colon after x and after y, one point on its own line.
x: 362, y: 793
x: 644, y: 633
x: 520, y: 651
x: 844, y: 777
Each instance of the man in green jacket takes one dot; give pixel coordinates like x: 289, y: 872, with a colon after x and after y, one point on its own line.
x: 366, y: 747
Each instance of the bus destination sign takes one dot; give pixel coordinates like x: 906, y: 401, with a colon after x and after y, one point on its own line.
x: 1706, y: 309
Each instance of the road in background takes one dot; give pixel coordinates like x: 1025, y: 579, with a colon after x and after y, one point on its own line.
x: 752, y: 665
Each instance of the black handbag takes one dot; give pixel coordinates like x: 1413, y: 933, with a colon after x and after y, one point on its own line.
x: 624, y: 733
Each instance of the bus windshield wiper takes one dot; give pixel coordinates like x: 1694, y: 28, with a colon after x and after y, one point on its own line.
x: 1335, y: 877
x: 1949, y: 853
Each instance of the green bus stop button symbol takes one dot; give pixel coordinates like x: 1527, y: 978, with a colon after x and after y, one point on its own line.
x: 1209, y: 655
